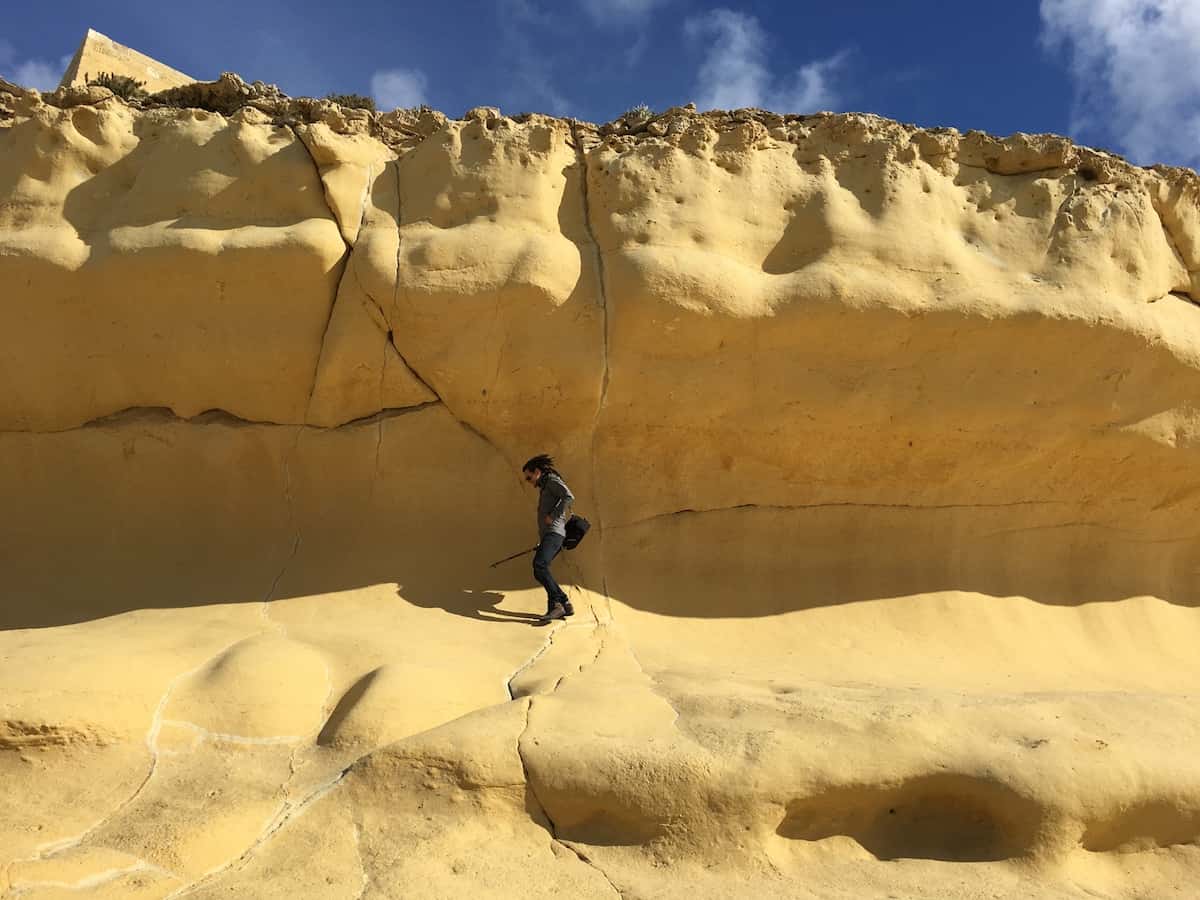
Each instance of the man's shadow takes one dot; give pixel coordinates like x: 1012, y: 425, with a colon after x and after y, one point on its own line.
x: 481, y: 605
x: 482, y: 597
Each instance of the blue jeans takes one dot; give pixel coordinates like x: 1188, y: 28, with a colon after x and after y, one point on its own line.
x: 548, y: 548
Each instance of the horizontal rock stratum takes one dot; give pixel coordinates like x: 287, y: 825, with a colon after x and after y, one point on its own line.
x: 889, y: 435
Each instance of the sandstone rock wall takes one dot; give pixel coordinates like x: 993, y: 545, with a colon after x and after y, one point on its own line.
x: 801, y: 315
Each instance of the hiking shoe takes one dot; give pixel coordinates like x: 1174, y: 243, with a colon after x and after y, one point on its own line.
x: 568, y: 609
x: 556, y: 612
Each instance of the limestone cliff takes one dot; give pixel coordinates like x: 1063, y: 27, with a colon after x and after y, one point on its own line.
x: 890, y: 437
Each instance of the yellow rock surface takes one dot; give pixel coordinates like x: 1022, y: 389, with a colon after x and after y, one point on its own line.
x: 105, y: 202
x: 888, y: 437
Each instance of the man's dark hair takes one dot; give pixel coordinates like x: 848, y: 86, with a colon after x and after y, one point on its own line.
x: 542, y: 461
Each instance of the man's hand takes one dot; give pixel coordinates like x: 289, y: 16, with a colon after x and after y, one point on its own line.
x: 549, y: 520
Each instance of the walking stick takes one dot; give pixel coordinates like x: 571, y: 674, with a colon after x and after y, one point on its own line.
x: 514, y: 556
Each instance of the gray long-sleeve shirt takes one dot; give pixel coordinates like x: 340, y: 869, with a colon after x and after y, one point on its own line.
x: 555, y: 501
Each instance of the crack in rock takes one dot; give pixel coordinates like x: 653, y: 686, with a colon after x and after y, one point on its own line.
x: 415, y: 374
x: 288, y: 807
x: 148, y: 416
x: 312, y: 390
x: 546, y: 645
x: 550, y: 826
x: 490, y: 342
x: 324, y: 190
x: 155, y: 415
x: 390, y: 412
x: 836, y: 505
x: 1173, y: 242
x: 379, y: 419
x: 368, y: 183
x: 287, y: 495
x: 391, y: 332
x: 347, y: 268
x: 226, y: 738
x: 602, y: 293
x: 362, y: 866
x: 655, y: 687
x: 587, y: 860
x: 1173, y: 245
x: 392, y: 335
x: 295, y: 741
x: 47, y: 851
x: 344, y: 263
x: 399, y: 237
x: 371, y: 305
x: 95, y: 880
x: 287, y: 811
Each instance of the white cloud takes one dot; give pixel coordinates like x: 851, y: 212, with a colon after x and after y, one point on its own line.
x: 1136, y: 78
x: 394, y: 88
x: 38, y: 74
x: 35, y: 73
x: 620, y: 12
x: 530, y: 82
x: 812, y: 88
x: 735, y: 74
x: 636, y: 50
x: 525, y: 11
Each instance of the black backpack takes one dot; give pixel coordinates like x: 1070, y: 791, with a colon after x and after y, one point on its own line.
x: 576, y: 528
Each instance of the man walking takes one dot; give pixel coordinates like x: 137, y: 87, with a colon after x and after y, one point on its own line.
x: 554, y: 505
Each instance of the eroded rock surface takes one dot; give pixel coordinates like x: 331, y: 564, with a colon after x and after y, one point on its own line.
x: 889, y: 436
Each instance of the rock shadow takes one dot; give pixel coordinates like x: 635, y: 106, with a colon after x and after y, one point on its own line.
x: 1145, y: 826
x: 946, y: 817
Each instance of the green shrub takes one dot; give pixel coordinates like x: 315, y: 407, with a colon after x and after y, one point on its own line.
x: 352, y: 101
x: 122, y: 85
x: 639, y: 113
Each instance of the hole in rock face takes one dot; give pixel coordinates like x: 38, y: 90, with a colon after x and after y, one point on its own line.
x: 606, y: 818
x: 1088, y: 174
x: 955, y: 818
x: 605, y: 829
x: 1144, y: 826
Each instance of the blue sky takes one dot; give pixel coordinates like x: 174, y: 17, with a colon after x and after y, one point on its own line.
x: 1120, y: 74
